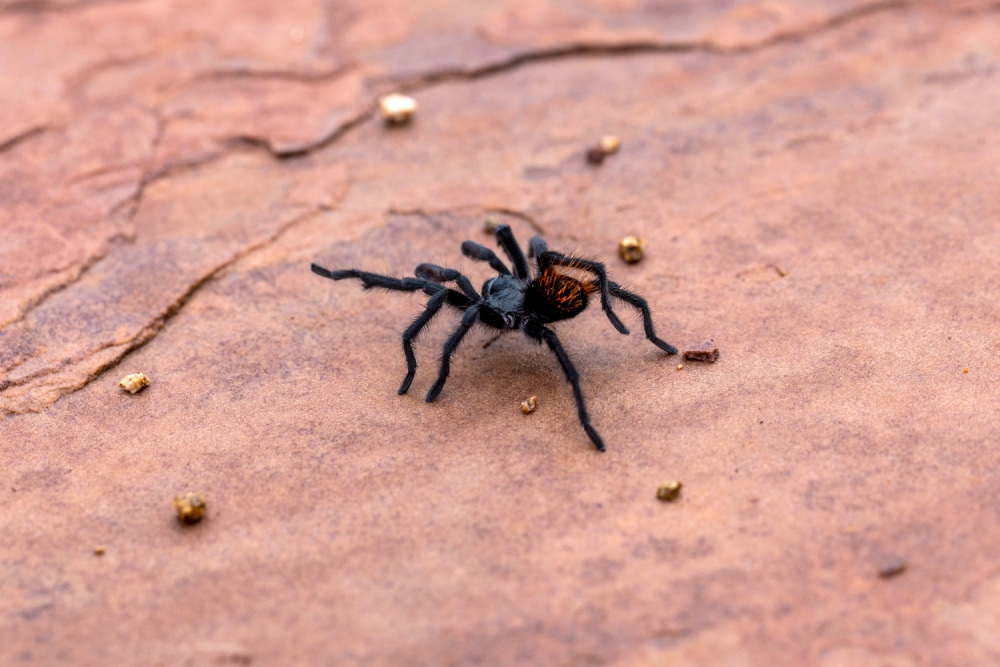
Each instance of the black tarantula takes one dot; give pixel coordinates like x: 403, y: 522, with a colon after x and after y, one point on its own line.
x: 510, y: 301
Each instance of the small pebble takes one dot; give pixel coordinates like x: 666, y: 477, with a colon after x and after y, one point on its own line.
x: 528, y: 406
x: 707, y: 352
x: 99, y: 550
x: 397, y: 109
x: 892, y: 569
x: 966, y: 370
x: 631, y: 249
x: 134, y: 382
x: 680, y: 366
x: 609, y: 144
x: 490, y: 225
x: 669, y: 491
x: 190, y: 507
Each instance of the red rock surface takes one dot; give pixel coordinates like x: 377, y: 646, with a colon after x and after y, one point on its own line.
x: 817, y: 185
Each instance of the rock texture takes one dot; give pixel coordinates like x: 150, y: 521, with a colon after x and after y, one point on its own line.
x: 816, y: 182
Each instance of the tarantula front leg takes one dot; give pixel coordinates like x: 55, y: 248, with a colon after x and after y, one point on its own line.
x: 549, y: 258
x: 473, y: 250
x: 536, y: 246
x: 541, y: 332
x: 440, y: 274
x: 434, y: 274
x: 505, y: 237
x: 439, y: 296
x: 376, y: 280
x: 468, y: 319
x: 433, y: 306
x: 647, y: 319
x: 370, y: 280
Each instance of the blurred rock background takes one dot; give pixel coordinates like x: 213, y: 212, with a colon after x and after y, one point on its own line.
x: 816, y: 183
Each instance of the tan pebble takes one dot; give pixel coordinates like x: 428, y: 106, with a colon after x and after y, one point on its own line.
x: 134, y: 382
x: 631, y: 249
x: 680, y: 366
x: 528, y: 406
x: 609, y: 144
x: 669, y: 491
x: 190, y: 507
x: 490, y: 225
x: 396, y: 108
x: 966, y: 370
x: 99, y: 550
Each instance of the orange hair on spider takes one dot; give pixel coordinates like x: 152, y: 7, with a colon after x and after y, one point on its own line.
x: 564, y: 292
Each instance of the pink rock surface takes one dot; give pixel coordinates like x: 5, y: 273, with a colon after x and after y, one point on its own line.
x: 817, y: 185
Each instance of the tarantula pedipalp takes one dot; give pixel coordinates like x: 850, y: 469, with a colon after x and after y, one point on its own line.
x: 510, y: 301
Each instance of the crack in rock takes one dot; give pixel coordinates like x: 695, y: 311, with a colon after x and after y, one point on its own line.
x: 49, y: 6
x: 419, y: 82
x: 36, y: 346
x: 190, y: 228
x: 21, y: 137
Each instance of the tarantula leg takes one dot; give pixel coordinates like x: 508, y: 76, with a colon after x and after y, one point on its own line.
x: 536, y: 246
x: 505, y: 237
x: 550, y: 258
x: 473, y: 250
x: 370, y: 280
x: 468, y: 319
x: 439, y: 294
x: 411, y: 333
x: 647, y: 319
x: 442, y: 275
x: 550, y: 338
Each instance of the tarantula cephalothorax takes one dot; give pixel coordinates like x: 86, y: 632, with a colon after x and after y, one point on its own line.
x: 559, y: 290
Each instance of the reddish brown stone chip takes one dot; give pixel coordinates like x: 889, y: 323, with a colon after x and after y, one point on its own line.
x: 892, y: 568
x: 707, y: 351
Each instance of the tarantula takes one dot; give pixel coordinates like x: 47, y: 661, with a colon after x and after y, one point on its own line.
x: 559, y: 290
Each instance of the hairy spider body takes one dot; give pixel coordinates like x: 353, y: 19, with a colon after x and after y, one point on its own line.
x: 513, y: 300
x: 555, y: 296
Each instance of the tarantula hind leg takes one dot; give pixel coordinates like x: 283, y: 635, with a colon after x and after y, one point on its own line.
x: 639, y: 303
